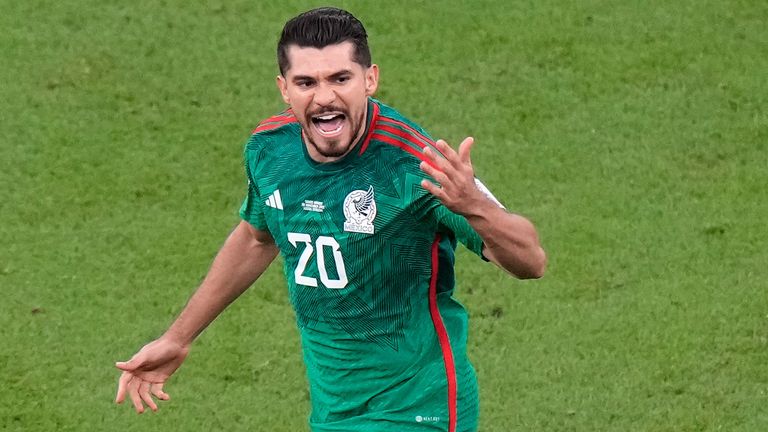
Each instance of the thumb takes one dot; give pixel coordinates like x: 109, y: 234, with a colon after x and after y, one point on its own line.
x: 130, y: 365
x: 123, y: 366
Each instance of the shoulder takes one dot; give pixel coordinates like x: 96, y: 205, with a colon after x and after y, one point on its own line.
x: 275, y: 129
x: 397, y: 135
x: 391, y: 121
x: 276, y: 122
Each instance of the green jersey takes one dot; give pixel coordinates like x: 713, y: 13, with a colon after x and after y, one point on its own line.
x: 368, y: 255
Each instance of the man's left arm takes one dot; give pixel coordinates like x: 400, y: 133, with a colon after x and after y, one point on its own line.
x: 509, y: 240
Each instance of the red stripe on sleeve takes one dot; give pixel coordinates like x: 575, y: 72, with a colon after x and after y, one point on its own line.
x: 400, y: 144
x: 410, y: 138
x: 288, y: 115
x: 402, y: 134
x: 411, y: 130
x: 270, y: 126
x: 275, y: 122
x: 442, y: 335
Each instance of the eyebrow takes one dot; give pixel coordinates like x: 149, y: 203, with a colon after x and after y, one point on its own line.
x: 332, y: 76
x: 340, y: 74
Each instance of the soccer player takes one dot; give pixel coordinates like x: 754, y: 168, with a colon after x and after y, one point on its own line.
x: 366, y: 210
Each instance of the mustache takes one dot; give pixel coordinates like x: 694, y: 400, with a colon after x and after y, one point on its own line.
x: 327, y: 109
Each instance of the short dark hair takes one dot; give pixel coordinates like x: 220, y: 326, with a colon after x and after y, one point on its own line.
x: 321, y: 27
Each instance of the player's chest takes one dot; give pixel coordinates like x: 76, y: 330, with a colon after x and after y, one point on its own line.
x: 348, y: 205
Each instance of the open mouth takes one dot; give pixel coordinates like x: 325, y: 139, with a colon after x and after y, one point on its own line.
x: 329, y: 124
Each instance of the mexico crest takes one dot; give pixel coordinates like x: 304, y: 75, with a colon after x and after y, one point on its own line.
x: 360, y: 209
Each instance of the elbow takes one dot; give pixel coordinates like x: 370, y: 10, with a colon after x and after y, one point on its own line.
x: 536, y: 267
x: 529, y: 262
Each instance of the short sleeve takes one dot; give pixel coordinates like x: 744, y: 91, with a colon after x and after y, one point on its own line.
x: 460, y: 228
x: 252, y: 209
x: 427, y: 208
x: 459, y: 225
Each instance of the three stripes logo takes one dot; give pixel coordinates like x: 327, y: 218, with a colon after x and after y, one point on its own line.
x: 274, y: 200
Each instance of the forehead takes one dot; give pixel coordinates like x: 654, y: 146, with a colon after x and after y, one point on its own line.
x: 310, y: 61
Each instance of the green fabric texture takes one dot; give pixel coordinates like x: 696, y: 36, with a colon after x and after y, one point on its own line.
x: 356, y: 236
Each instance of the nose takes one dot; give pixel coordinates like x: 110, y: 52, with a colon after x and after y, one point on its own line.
x: 324, y: 95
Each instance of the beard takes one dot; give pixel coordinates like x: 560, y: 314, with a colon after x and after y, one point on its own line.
x: 333, y: 148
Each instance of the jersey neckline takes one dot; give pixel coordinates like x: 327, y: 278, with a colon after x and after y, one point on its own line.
x: 370, y: 121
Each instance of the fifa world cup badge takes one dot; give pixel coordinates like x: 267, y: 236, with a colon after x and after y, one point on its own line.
x: 360, y: 209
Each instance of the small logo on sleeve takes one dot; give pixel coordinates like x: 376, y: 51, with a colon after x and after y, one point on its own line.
x: 360, y: 210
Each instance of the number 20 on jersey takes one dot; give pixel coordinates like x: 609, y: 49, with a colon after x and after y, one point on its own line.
x: 318, y: 248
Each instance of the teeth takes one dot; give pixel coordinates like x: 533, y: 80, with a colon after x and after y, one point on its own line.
x: 328, y: 133
x: 327, y: 117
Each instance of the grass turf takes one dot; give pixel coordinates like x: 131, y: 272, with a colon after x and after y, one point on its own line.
x: 633, y: 133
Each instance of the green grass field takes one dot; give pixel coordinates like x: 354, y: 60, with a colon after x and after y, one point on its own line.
x: 634, y: 134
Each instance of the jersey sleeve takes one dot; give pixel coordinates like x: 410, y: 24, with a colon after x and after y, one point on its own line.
x: 458, y: 225
x: 252, y: 209
x: 428, y: 209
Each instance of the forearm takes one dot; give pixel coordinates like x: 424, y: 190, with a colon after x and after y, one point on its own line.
x: 241, y: 260
x: 510, y: 240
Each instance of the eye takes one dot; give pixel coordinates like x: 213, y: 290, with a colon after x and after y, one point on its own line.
x: 342, y: 79
x: 305, y: 83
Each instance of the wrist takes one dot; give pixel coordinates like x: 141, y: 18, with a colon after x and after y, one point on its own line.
x: 177, y: 338
x: 480, y: 208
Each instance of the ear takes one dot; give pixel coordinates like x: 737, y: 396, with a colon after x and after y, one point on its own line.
x: 282, y: 85
x: 371, y: 80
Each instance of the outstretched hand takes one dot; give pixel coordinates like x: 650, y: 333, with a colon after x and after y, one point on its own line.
x: 147, y: 371
x: 457, y: 189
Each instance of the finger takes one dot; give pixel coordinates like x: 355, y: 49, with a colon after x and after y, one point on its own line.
x: 134, y: 363
x: 144, y: 394
x: 133, y: 392
x: 464, y: 149
x: 122, y: 386
x: 433, y: 189
x: 448, y: 152
x: 157, y: 390
x: 436, y: 160
x: 433, y: 172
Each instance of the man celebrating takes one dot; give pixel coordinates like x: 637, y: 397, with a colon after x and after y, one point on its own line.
x: 366, y: 210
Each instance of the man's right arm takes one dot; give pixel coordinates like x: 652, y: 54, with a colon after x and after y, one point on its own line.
x: 245, y: 255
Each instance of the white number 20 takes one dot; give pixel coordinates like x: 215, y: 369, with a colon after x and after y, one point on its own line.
x: 321, y: 243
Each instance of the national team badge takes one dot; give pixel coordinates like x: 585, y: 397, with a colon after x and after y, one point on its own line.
x: 360, y: 209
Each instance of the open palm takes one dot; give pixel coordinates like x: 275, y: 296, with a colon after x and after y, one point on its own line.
x: 147, y: 371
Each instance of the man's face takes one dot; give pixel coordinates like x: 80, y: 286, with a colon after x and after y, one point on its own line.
x: 328, y: 92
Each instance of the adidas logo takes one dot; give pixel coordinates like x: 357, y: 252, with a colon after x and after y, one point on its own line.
x: 274, y: 200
